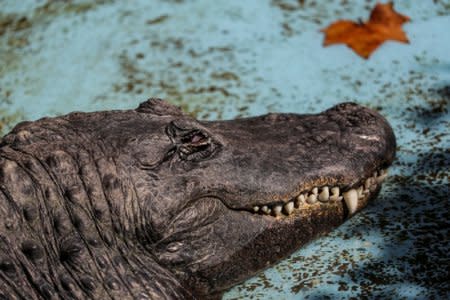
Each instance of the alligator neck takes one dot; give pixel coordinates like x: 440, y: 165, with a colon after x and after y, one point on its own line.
x: 64, y: 233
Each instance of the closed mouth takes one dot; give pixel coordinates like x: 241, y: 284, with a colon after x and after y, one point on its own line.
x: 352, y: 197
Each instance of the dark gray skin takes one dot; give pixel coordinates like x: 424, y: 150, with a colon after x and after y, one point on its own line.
x: 153, y: 204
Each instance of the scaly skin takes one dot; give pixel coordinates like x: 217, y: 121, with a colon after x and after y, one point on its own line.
x: 153, y: 204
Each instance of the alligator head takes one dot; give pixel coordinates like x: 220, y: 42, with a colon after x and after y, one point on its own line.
x: 213, y: 202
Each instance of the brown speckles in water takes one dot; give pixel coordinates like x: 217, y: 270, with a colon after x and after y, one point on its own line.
x: 157, y: 20
x: 14, y: 23
x: 7, y: 118
x: 305, y: 283
x: 410, y: 218
x: 17, y: 28
x: 343, y: 286
x: 225, y: 76
x: 321, y: 12
x: 185, y: 83
x: 51, y: 8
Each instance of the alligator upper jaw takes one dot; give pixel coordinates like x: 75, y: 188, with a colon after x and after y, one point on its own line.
x: 269, y: 162
x: 354, y: 197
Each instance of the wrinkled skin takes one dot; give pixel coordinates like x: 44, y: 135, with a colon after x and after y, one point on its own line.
x: 153, y: 204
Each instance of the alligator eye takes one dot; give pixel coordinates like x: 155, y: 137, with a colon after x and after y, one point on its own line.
x: 191, y: 144
x: 194, y: 138
x: 196, y: 146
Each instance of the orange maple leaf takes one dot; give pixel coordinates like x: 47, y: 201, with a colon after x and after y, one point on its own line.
x: 384, y: 24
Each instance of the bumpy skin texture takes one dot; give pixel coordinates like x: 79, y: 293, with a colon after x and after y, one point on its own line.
x: 153, y: 204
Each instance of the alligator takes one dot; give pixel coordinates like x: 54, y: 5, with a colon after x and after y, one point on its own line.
x: 151, y: 203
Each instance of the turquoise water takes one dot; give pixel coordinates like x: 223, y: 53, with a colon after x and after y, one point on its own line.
x: 224, y: 59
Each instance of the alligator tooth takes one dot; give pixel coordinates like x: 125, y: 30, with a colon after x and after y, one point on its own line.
x: 300, y: 199
x: 312, y: 199
x: 334, y: 198
x: 351, y: 199
x: 360, y: 192
x: 368, y: 183
x: 325, y: 194
x: 265, y: 209
x: 335, y: 194
x: 277, y: 210
x: 255, y: 208
x: 289, y: 207
x: 335, y: 191
x: 381, y: 178
x: 315, y: 191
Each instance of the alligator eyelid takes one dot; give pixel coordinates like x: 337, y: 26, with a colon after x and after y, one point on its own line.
x: 153, y: 165
x: 169, y: 154
x: 173, y: 128
x: 170, y: 132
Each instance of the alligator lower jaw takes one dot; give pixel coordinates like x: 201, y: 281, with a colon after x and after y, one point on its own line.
x: 354, y: 198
